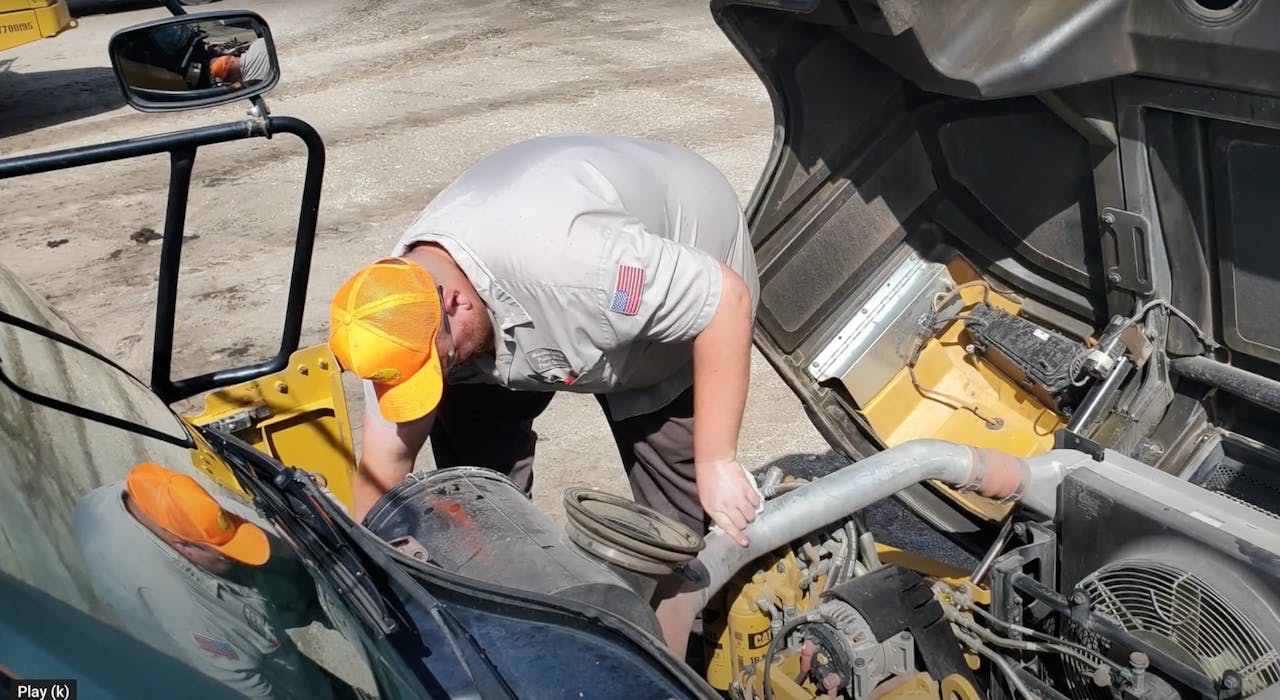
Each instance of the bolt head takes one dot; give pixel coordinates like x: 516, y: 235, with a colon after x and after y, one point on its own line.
x: 1139, y: 661
x: 282, y: 387
x: 303, y: 370
x: 1109, y: 218
x: 1114, y: 278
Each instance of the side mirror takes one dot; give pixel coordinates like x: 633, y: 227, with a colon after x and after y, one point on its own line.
x: 194, y: 61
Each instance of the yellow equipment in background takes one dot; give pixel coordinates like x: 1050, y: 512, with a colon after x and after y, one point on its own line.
x: 25, y: 21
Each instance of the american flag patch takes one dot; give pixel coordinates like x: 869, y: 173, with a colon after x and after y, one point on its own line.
x: 626, y: 292
x: 217, y: 647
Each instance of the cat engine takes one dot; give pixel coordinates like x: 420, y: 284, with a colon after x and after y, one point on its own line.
x: 1133, y: 584
x: 830, y: 618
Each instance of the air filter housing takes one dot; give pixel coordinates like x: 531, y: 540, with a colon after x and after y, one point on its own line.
x: 1189, y: 571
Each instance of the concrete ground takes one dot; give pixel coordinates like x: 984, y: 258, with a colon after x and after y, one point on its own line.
x: 406, y: 94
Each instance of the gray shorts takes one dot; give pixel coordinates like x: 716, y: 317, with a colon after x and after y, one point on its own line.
x: 484, y: 425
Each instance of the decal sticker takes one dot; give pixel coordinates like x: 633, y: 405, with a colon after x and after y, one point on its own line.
x: 626, y: 291
x: 217, y: 647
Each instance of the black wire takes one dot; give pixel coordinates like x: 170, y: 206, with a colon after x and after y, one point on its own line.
x: 774, y: 643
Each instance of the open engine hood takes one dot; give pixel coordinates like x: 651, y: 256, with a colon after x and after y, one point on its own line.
x: 1084, y: 157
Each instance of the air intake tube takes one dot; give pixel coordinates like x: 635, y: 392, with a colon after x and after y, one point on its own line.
x: 838, y: 495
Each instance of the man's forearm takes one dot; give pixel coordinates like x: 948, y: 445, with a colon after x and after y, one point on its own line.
x: 721, y: 374
x: 386, y: 458
x: 371, y: 482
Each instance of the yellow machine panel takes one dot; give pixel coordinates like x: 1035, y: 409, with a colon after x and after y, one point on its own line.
x: 297, y: 415
x: 25, y: 21
x: 963, y: 399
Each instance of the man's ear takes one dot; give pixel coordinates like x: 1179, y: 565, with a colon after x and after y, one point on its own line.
x: 454, y: 299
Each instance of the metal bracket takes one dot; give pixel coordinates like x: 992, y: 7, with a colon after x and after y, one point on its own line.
x: 1126, y: 250
x: 1069, y: 440
x: 242, y: 420
x: 1040, y: 550
x: 411, y: 547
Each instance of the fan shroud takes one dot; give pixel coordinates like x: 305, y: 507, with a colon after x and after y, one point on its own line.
x: 1179, y: 613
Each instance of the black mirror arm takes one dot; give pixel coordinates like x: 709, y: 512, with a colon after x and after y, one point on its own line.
x: 175, y: 7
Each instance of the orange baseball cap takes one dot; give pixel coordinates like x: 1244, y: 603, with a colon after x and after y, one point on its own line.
x: 220, y: 67
x: 383, y: 323
x: 182, y: 507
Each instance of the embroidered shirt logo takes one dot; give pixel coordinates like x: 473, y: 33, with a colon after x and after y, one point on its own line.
x: 626, y: 291
x: 552, y: 365
x: 217, y: 647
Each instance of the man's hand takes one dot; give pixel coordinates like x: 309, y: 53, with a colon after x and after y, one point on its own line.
x: 728, y: 496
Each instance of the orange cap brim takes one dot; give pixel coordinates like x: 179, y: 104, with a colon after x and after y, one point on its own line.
x: 415, y: 397
x: 248, y: 546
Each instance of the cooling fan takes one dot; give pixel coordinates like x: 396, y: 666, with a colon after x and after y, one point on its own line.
x: 1178, y: 613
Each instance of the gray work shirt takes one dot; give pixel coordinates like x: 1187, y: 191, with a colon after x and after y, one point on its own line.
x: 599, y: 260
x: 233, y: 631
x: 255, y: 63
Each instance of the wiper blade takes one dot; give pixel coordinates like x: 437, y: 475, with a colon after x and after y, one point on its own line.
x: 297, y: 505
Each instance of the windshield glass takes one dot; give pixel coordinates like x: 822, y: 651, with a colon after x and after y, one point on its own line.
x: 115, y: 523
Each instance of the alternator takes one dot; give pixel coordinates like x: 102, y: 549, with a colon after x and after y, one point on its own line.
x: 847, y: 647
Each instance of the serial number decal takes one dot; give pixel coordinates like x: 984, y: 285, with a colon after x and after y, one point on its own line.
x: 15, y: 28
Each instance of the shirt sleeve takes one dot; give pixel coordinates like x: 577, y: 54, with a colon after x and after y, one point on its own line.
x: 655, y: 289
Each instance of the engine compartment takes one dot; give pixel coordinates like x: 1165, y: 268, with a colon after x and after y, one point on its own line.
x: 1139, y: 586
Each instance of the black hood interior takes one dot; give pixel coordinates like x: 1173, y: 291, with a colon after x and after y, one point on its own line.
x: 1088, y: 155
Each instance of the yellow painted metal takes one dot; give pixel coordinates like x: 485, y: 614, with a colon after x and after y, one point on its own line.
x: 919, y: 687
x: 207, y: 461
x: 25, y: 21
x: 715, y: 643
x: 305, y: 423
x: 926, y: 567
x: 956, y: 687
x: 781, y: 676
x: 900, y: 413
x: 745, y: 637
x: 931, y: 569
x: 749, y: 632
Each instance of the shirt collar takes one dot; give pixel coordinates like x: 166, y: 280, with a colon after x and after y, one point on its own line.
x: 504, y: 309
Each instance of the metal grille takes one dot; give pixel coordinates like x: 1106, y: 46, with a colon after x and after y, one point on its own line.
x: 1251, y: 486
x: 1159, y: 602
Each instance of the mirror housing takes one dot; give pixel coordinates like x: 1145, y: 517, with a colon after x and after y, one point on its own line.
x: 194, y: 61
